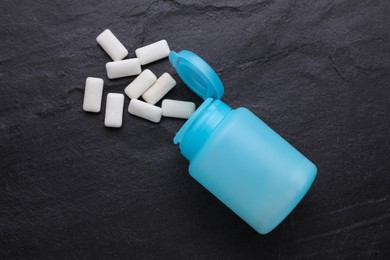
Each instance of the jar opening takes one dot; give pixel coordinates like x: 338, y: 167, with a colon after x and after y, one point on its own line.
x: 196, y: 131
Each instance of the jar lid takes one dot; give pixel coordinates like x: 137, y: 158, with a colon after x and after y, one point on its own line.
x: 197, y: 74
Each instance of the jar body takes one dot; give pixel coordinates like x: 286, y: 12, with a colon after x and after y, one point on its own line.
x: 252, y: 170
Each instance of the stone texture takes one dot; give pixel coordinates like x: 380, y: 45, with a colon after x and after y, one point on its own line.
x: 318, y: 72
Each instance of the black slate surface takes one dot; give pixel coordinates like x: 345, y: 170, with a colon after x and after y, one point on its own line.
x: 318, y: 72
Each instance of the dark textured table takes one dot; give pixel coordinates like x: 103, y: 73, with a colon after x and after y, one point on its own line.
x: 318, y: 72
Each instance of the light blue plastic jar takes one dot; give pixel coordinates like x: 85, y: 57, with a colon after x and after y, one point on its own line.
x: 236, y: 156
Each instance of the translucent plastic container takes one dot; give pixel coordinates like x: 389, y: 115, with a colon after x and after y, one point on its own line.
x: 236, y: 156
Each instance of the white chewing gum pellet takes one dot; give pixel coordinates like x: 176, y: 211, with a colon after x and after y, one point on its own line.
x: 114, y: 110
x: 123, y: 68
x: 145, y: 110
x: 177, y: 108
x: 112, y: 45
x: 93, y: 94
x: 141, y: 83
x: 159, y: 89
x: 153, y: 52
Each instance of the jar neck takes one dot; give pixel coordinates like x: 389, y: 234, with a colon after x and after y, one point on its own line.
x: 194, y: 133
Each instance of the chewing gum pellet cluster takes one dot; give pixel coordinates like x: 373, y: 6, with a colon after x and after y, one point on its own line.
x: 145, y: 85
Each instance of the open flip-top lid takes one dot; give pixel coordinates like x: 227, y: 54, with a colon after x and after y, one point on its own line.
x: 197, y: 74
